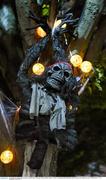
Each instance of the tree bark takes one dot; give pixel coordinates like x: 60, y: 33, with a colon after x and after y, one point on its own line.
x: 53, y: 12
x: 87, y: 23
x: 50, y: 161
x: 97, y: 43
x: 23, y: 8
x: 49, y: 165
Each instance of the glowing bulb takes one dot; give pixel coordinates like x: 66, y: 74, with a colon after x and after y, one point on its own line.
x: 38, y: 68
x: 6, y: 156
x: 40, y: 32
x: 64, y: 26
x: 70, y: 107
x: 86, y: 66
x: 76, y: 60
x: 57, y: 23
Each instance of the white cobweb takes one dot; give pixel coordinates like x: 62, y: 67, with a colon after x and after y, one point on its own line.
x: 7, y: 115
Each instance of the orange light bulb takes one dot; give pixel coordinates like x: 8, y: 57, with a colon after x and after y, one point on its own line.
x: 86, y: 66
x: 76, y: 60
x: 6, y: 156
x: 40, y: 32
x: 38, y: 68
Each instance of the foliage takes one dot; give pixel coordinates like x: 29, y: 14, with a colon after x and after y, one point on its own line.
x: 97, y: 80
x: 99, y: 77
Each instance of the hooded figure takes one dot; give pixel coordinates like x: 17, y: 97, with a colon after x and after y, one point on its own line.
x: 45, y: 113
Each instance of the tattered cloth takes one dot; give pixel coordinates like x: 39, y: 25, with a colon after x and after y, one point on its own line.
x: 51, y: 104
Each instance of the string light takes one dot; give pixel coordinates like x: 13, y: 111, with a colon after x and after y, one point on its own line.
x: 70, y: 107
x: 64, y: 26
x: 76, y: 60
x: 38, y: 68
x: 57, y: 23
x: 6, y: 156
x: 40, y: 32
x: 86, y: 66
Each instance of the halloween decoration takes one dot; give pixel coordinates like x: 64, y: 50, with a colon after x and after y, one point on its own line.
x: 47, y: 96
x: 76, y: 60
x: 38, y: 68
x: 57, y: 23
x: 40, y: 32
x: 58, y: 74
x: 40, y: 22
x: 86, y: 66
x: 6, y: 156
x: 7, y: 113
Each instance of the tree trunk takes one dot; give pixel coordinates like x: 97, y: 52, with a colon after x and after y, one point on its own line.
x: 97, y: 43
x: 53, y: 12
x: 87, y: 23
x: 23, y: 8
x: 49, y: 165
x: 88, y: 20
x: 50, y: 161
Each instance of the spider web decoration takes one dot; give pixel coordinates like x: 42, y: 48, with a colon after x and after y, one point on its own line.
x: 7, y: 114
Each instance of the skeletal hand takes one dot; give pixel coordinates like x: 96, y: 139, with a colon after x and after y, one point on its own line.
x: 61, y: 24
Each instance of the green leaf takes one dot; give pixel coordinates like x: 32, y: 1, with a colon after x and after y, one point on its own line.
x: 90, y: 90
x: 98, y: 86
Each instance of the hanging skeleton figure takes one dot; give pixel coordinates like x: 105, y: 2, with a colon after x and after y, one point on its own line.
x: 45, y: 113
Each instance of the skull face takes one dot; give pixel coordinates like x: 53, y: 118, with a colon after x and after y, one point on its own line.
x: 58, y: 74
